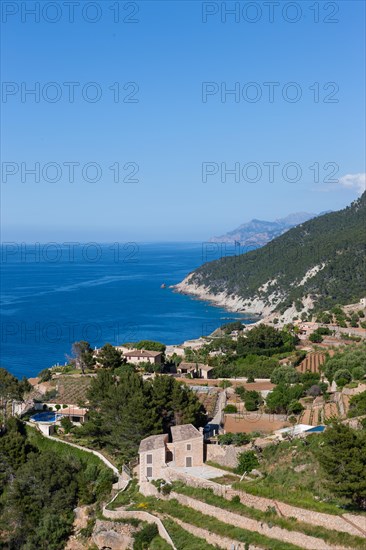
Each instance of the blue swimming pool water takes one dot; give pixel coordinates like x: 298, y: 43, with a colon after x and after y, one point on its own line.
x: 316, y: 429
x: 46, y: 416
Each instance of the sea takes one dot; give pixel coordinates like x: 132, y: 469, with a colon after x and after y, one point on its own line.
x: 55, y: 294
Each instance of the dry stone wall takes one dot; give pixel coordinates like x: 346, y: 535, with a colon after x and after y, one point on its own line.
x: 225, y: 455
x: 350, y: 523
x: 292, y: 537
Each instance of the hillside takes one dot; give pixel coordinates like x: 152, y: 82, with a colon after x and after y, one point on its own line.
x: 314, y: 265
x: 260, y: 232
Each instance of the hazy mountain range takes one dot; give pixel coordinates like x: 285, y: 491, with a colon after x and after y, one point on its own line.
x: 315, y: 265
x: 260, y: 232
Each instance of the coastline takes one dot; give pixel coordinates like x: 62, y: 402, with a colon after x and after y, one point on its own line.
x: 255, y: 307
x: 265, y: 311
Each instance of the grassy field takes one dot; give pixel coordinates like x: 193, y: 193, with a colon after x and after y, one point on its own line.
x: 44, y: 444
x: 304, y: 488
x: 159, y: 544
x: 125, y: 497
x: 184, y: 540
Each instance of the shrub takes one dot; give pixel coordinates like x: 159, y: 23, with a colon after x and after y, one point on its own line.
x: 45, y: 375
x: 225, y: 384
x: 295, y: 407
x: 314, y: 391
x: 247, y: 461
x: 358, y: 373
x: 229, y: 409
x: 342, y: 377
x: 66, y: 424
x: 315, y: 337
x: 285, y: 374
x: 144, y: 537
x: 234, y: 439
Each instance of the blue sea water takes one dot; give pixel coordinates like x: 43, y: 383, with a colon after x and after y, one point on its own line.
x: 54, y: 295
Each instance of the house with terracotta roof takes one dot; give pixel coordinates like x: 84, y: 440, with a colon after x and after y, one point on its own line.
x: 195, y: 370
x: 138, y: 356
x: 184, y: 449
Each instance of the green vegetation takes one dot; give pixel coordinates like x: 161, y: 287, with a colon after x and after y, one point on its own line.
x: 145, y: 536
x: 343, y: 459
x: 125, y: 409
x: 150, y: 345
x: 125, y: 497
x: 228, y: 328
x: 285, y: 374
x: 247, y: 462
x: 10, y: 389
x: 251, y: 398
x: 349, y: 359
x: 230, y: 409
x: 337, y: 316
x: 82, y: 356
x: 234, y: 439
x: 176, y: 510
x: 109, y: 357
x: 45, y: 375
x: 357, y: 405
x: 183, y: 540
x: 260, y: 366
x: 40, y: 486
x: 315, y: 337
x: 334, y: 241
x: 291, y: 471
x: 269, y: 517
x: 282, y: 398
x: 66, y: 424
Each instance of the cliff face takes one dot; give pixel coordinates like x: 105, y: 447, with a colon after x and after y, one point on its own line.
x: 315, y: 265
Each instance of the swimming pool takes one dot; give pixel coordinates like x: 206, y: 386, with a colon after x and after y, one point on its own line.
x: 45, y: 416
x: 316, y: 429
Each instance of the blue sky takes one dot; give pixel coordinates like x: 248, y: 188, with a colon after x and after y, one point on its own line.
x: 170, y: 132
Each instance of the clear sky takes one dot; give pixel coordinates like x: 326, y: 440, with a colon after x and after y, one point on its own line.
x: 176, y: 134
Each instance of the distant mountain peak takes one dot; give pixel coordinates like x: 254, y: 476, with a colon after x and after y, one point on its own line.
x: 260, y: 232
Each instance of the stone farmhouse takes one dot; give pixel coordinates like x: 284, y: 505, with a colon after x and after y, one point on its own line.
x: 196, y: 370
x: 138, y: 356
x: 184, y: 449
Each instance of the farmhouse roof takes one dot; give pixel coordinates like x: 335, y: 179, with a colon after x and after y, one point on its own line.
x: 153, y: 442
x: 183, y: 432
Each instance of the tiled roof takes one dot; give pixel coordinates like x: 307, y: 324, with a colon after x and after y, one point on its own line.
x: 183, y: 432
x: 153, y: 442
x: 202, y: 366
x: 73, y: 411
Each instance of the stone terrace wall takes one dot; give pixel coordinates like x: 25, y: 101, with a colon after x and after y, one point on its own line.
x: 328, y: 521
x: 225, y: 455
x: 212, y: 538
x: 274, y: 532
x: 143, y: 516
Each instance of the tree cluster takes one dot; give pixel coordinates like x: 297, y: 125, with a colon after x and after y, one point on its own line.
x: 126, y: 409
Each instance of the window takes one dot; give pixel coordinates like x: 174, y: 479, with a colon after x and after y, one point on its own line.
x: 148, y: 459
x: 189, y: 446
x: 188, y: 462
x: 149, y: 472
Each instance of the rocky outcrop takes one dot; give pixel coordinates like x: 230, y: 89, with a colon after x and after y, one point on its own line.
x: 112, y: 535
